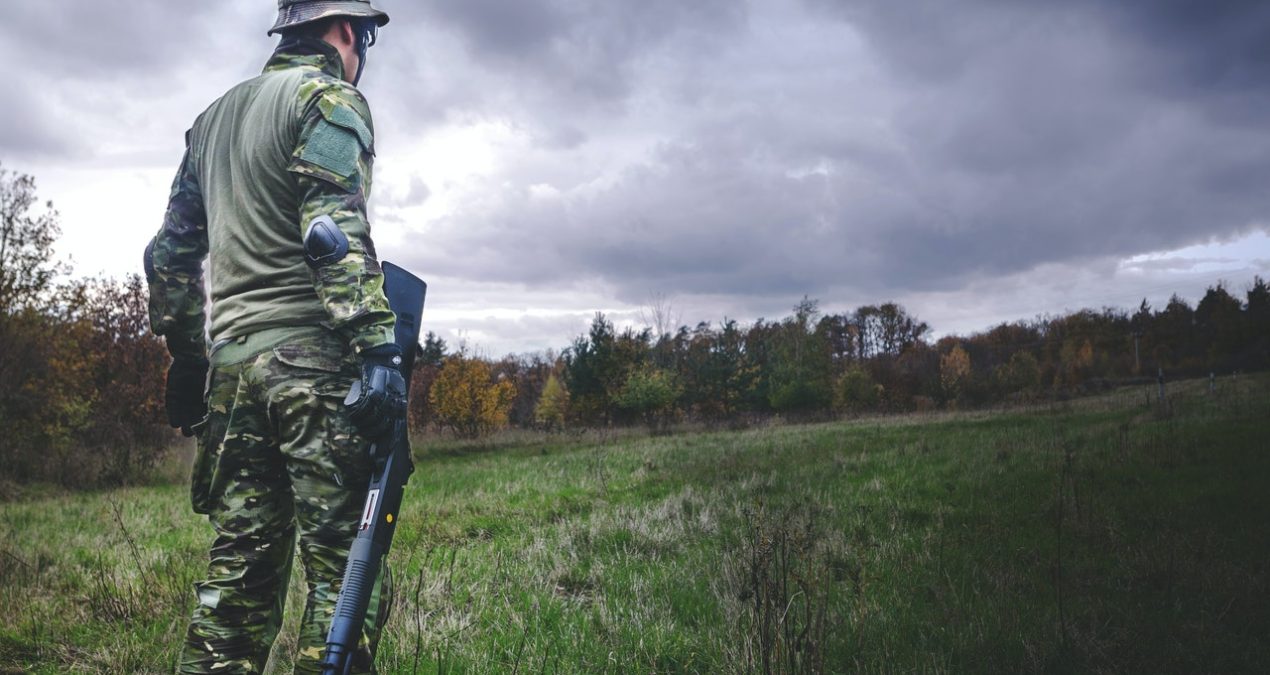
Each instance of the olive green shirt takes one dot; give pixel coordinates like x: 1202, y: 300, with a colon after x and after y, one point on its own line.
x: 262, y: 162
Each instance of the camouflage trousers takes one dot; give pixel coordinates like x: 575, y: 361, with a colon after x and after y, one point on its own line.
x: 278, y: 463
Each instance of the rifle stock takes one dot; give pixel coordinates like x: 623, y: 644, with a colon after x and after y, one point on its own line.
x: 406, y: 294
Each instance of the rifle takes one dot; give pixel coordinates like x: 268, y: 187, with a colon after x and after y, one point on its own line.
x: 388, y: 478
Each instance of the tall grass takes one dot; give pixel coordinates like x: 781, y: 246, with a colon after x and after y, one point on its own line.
x: 1103, y: 534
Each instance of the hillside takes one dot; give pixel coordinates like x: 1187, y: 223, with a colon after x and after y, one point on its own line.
x: 1107, y: 533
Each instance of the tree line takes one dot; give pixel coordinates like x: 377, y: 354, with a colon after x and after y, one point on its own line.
x: 81, y: 376
x: 875, y: 359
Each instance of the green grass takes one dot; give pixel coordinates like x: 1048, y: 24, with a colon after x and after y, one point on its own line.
x: 1103, y: 534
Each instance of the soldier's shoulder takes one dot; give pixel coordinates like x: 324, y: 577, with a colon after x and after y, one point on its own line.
x: 327, y: 92
x: 233, y: 97
x: 216, y: 109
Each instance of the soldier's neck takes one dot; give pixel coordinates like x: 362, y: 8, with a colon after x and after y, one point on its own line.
x: 293, y: 52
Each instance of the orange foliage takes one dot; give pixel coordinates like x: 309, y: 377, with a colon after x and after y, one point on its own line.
x: 466, y: 398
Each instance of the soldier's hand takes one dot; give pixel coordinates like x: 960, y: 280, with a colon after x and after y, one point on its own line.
x: 187, y: 377
x: 378, y: 401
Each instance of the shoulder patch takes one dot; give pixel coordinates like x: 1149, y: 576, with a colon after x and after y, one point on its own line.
x: 344, y: 106
x: 339, y: 130
x: 344, y: 116
x: 335, y: 149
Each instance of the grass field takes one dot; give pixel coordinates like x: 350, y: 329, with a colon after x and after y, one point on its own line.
x: 1105, y: 534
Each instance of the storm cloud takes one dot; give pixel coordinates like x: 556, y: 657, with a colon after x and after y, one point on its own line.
x: 897, y: 146
x: 735, y: 155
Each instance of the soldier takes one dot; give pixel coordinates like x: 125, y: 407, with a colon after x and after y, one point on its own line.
x: 272, y: 191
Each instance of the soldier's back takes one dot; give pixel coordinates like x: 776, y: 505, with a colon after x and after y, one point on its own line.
x: 241, y: 147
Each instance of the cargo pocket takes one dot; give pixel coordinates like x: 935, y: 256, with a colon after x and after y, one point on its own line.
x: 320, y: 370
x: 308, y: 356
x: 204, y: 471
x: 348, y: 449
x: 209, y: 436
x: 328, y: 376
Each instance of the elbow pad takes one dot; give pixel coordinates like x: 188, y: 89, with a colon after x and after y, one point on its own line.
x: 147, y: 262
x: 324, y: 243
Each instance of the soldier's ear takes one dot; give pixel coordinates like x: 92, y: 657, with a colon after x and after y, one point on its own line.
x: 347, y: 35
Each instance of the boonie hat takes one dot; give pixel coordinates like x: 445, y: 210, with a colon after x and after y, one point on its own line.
x: 297, y: 12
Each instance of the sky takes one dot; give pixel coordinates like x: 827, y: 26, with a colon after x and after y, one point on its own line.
x: 541, y: 160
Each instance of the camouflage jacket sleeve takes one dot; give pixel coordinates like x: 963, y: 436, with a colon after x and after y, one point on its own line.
x: 174, y: 268
x: 332, y: 164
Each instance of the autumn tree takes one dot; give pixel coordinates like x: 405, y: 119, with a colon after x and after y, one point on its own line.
x: 1020, y: 377
x: 38, y: 389
x: 90, y: 395
x: 910, y: 381
x: 1077, y: 357
x: 954, y: 371
x: 529, y: 372
x: 467, y: 399
x: 553, y: 405
x: 27, y: 273
x: 121, y: 381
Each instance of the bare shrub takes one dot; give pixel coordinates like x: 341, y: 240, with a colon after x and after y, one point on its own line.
x: 785, y: 574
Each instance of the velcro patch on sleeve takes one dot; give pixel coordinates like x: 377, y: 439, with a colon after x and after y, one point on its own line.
x: 333, y: 148
x: 348, y: 118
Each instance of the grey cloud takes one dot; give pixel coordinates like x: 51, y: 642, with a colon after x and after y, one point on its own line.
x: 109, y: 41
x: 1190, y: 44
x: 1219, y: 45
x: 741, y: 154
x: 500, y: 29
x: 1212, y: 55
x: 28, y: 133
x: 95, y: 74
x: 1013, y: 135
x: 417, y: 193
x: 563, y: 137
x: 567, y: 55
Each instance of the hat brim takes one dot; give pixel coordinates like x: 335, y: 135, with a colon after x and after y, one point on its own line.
x: 308, y: 12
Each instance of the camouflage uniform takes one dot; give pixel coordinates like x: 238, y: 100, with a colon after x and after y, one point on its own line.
x: 278, y: 461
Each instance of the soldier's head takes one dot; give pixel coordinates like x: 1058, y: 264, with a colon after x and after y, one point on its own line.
x: 350, y: 26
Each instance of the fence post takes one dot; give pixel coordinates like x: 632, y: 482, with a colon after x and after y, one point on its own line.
x: 1161, y: 380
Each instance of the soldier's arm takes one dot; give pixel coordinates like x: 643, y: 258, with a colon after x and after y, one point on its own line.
x: 174, y: 268
x: 332, y: 164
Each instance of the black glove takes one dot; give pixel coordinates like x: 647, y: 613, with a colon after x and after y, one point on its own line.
x: 378, y: 401
x: 187, y: 378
